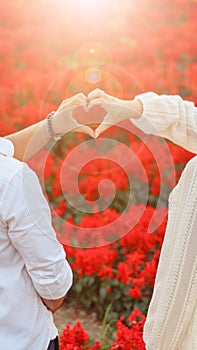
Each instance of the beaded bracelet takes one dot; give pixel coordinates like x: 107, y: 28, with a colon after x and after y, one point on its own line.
x: 52, y: 134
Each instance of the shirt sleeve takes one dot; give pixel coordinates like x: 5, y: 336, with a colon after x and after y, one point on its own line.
x: 175, y: 291
x: 28, y: 217
x: 170, y: 117
x: 7, y: 147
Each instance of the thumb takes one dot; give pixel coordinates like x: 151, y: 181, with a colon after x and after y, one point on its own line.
x: 85, y: 129
x: 106, y: 124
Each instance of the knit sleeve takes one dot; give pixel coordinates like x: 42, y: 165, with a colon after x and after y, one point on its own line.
x: 175, y: 291
x: 170, y: 117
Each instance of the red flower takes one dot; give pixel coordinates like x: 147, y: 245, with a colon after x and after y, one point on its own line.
x: 105, y: 272
x: 123, y: 273
x: 76, y: 339
x: 130, y: 338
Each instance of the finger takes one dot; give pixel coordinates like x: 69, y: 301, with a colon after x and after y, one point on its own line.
x: 81, y: 95
x: 85, y: 129
x: 88, y: 131
x: 75, y: 100
x: 72, y: 105
x: 80, y: 100
x: 101, y: 128
x: 95, y: 94
x: 106, y: 124
x: 85, y: 107
x: 98, y: 101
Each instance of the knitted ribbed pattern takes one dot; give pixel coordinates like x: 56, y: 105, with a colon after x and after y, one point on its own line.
x: 170, y: 117
x: 172, y: 316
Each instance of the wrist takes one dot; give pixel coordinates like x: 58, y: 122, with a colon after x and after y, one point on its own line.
x: 135, y: 109
x: 50, y: 127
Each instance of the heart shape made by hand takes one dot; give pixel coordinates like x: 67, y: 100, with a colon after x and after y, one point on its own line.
x: 91, y: 116
x: 98, y: 108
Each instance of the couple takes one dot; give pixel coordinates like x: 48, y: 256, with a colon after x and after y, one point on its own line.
x: 34, y: 275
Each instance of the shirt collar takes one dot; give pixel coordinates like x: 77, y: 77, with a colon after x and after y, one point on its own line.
x: 6, y: 147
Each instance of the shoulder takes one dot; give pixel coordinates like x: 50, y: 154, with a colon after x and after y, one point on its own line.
x: 9, y: 168
x: 12, y: 174
x: 190, y: 171
x: 192, y: 164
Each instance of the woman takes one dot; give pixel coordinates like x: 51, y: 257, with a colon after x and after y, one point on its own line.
x: 30, y: 140
x: 172, y: 316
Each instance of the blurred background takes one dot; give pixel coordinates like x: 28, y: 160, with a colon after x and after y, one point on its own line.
x: 53, y: 49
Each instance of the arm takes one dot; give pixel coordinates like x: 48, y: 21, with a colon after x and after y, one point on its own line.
x: 29, y: 227
x: 22, y: 139
x: 170, y: 117
x: 175, y: 291
x: 166, y: 116
x: 29, y: 141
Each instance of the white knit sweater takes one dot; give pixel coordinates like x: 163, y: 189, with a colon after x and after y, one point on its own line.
x: 172, y: 316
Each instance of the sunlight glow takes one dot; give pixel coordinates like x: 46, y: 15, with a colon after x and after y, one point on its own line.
x: 93, y: 75
x: 88, y: 7
x: 89, y: 3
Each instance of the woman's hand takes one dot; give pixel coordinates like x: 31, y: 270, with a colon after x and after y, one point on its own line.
x: 63, y: 121
x: 117, y: 109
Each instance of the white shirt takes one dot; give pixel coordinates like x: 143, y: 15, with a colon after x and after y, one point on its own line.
x: 32, y: 262
x: 172, y: 316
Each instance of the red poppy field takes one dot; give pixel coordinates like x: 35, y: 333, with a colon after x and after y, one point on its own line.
x: 108, y: 196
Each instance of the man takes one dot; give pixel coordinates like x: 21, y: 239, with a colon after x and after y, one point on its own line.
x: 34, y: 274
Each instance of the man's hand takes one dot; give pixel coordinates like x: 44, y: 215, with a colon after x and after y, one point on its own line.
x: 63, y: 120
x: 117, y: 109
x: 53, y: 305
